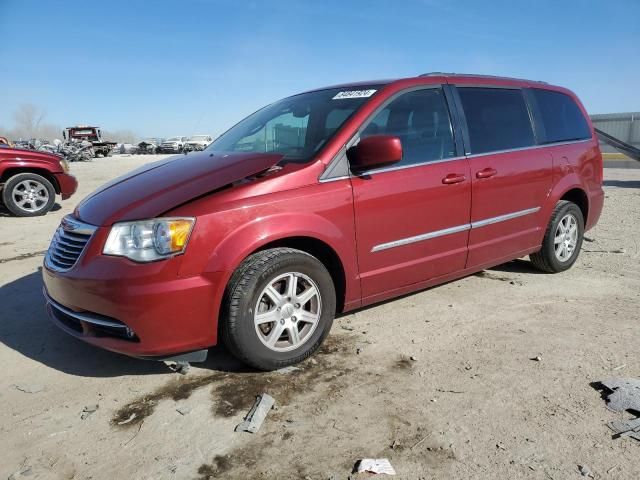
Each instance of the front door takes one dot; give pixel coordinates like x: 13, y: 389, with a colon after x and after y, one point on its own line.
x: 412, y: 219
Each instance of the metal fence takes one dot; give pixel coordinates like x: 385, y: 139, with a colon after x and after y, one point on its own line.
x: 623, y: 126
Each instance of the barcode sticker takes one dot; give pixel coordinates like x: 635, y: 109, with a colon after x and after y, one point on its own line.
x: 354, y: 94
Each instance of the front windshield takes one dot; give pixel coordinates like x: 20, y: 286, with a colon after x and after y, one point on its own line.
x: 198, y: 137
x: 297, y: 127
x: 173, y: 139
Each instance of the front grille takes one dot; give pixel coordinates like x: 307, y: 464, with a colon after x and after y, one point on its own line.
x: 67, y: 244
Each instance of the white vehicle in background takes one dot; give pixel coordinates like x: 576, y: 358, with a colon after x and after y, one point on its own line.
x: 197, y: 143
x: 173, y: 145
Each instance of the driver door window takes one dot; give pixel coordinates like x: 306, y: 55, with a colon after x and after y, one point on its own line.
x: 421, y: 120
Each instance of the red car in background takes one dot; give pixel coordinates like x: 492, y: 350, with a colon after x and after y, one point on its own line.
x: 321, y: 203
x: 30, y: 181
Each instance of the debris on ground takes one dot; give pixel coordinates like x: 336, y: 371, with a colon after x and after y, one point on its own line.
x: 585, y: 471
x: 286, y: 370
x: 253, y: 421
x: 87, y: 411
x: 537, y: 358
x: 183, y: 410
x: 29, y: 387
x: 374, y: 465
x: 413, y: 359
x: 626, y: 428
x: 128, y: 420
x: 180, y: 367
x: 349, y: 328
x: 624, y: 396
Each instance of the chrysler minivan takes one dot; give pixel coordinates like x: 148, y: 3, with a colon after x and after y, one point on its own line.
x: 322, y: 203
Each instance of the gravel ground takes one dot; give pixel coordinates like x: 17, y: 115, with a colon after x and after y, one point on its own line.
x: 471, y: 404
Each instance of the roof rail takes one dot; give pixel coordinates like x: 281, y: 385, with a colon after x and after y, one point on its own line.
x: 447, y: 74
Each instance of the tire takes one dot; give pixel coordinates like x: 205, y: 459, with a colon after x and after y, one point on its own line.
x: 246, y: 294
x: 28, y: 195
x: 554, y: 260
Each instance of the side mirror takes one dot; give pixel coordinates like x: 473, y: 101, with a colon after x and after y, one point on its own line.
x: 375, y: 151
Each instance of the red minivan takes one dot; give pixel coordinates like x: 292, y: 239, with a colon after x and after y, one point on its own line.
x: 322, y: 203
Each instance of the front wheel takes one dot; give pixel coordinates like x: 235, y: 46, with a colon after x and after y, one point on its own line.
x: 28, y: 195
x: 279, y: 307
x: 562, y: 240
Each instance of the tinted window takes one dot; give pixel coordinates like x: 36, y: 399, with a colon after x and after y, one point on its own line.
x: 497, y: 119
x: 421, y: 120
x: 562, y: 118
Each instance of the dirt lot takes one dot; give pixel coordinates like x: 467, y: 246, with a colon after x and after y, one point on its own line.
x: 472, y: 405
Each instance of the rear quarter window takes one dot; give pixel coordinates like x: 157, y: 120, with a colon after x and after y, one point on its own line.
x: 561, y: 117
x: 497, y: 119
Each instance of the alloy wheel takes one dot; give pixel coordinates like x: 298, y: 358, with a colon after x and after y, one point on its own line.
x: 566, y: 237
x: 30, y: 195
x: 287, y: 312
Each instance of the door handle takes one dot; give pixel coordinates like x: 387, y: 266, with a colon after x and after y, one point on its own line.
x: 486, y: 172
x: 453, y: 178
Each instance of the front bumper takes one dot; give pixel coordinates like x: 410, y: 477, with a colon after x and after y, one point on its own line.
x: 68, y: 184
x: 170, y: 148
x: 141, y: 310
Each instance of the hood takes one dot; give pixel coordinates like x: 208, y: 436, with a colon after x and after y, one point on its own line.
x: 23, y: 154
x: 160, y: 186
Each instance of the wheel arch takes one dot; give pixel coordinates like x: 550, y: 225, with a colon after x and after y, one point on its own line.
x: 578, y: 196
x: 323, y: 252
x: 12, y: 171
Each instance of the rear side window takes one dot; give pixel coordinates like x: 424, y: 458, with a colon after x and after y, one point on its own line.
x: 497, y: 119
x: 562, y: 119
x: 421, y: 120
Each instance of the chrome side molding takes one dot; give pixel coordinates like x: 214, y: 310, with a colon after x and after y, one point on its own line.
x: 452, y: 230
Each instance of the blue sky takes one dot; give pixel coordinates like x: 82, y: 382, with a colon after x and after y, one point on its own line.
x: 197, y: 66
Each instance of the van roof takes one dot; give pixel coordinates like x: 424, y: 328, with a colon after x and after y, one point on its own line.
x: 452, y: 77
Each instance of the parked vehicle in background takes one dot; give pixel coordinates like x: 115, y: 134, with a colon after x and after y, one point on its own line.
x: 90, y: 134
x: 325, y: 202
x: 127, y: 148
x: 25, y: 144
x: 173, y: 145
x: 197, y: 143
x: 149, y: 146
x: 30, y: 180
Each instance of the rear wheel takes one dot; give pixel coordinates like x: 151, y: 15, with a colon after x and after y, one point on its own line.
x: 28, y: 195
x: 279, y: 307
x: 562, y: 240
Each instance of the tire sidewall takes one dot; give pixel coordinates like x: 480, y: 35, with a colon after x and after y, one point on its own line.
x: 7, y: 194
x: 244, y: 334
x: 550, y: 246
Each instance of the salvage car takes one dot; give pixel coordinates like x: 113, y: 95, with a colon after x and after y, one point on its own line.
x: 30, y: 181
x: 322, y: 203
x: 82, y: 133
x: 197, y: 143
x: 173, y: 145
x: 149, y: 146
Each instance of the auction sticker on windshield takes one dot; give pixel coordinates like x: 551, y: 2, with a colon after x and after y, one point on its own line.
x: 354, y: 94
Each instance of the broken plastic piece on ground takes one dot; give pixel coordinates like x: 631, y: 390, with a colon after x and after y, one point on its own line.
x: 253, y: 421
x: 374, y: 465
x: 625, y: 396
x: 626, y: 428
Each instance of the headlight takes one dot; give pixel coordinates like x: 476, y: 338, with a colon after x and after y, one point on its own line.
x: 64, y: 165
x: 149, y: 240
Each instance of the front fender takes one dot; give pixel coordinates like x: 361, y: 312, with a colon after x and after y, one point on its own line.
x: 252, y: 236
